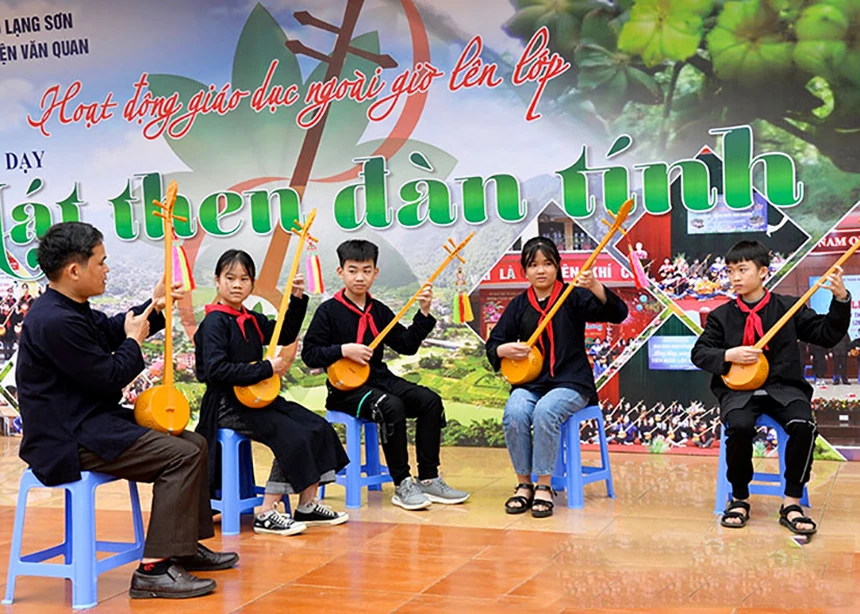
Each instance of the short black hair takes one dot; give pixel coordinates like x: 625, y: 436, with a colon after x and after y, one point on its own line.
x: 236, y: 256
x: 549, y: 250
x: 358, y: 250
x: 753, y: 251
x: 64, y: 243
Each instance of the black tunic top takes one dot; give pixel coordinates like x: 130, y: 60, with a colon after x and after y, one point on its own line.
x: 724, y: 329
x: 334, y: 325
x: 572, y: 369
x: 73, y: 363
x: 226, y: 358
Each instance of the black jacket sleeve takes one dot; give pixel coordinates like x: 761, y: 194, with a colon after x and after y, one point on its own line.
x: 293, y: 319
x: 709, y: 351
x: 318, y: 347
x: 77, y: 355
x: 405, y: 340
x: 824, y: 330
x: 114, y: 326
x: 506, y: 330
x: 586, y: 306
x: 218, y: 368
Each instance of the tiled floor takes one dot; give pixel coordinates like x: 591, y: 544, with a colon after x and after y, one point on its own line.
x: 656, y: 547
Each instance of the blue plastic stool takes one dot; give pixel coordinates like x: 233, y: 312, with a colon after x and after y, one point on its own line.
x: 570, y: 474
x: 775, y: 482
x: 239, y: 493
x: 80, y: 564
x: 350, y: 477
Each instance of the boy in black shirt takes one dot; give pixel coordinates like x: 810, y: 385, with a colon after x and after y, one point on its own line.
x: 341, y: 328
x: 730, y: 332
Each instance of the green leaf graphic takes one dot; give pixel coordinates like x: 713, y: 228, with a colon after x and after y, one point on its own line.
x: 272, y: 139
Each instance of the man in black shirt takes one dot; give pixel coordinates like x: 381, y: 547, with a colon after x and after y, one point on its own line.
x: 73, y: 364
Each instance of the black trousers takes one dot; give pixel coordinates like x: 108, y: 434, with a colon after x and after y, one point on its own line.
x: 840, y: 367
x: 389, y: 402
x: 799, y: 424
x: 177, y: 469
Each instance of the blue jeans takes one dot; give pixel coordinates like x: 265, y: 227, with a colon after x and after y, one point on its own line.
x: 526, y: 411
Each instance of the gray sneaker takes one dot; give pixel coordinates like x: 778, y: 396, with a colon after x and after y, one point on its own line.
x: 409, y: 496
x: 439, y: 492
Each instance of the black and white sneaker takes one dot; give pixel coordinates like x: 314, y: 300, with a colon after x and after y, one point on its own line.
x: 320, y: 515
x: 278, y: 524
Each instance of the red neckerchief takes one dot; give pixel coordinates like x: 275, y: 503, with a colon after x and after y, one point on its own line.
x: 754, y: 324
x: 556, y: 290
x: 365, y: 318
x: 241, y: 317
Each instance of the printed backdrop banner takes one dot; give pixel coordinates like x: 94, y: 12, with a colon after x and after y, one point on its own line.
x: 409, y: 123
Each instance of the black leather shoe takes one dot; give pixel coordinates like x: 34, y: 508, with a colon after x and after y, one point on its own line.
x: 176, y: 583
x: 207, y: 560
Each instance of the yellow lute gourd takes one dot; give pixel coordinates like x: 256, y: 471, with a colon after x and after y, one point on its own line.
x: 164, y: 408
x: 263, y: 393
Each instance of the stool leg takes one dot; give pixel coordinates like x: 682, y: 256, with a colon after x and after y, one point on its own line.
x: 559, y: 474
x: 604, y: 456
x: 575, y: 487
x: 84, y: 576
x: 230, y: 515
x: 68, y: 545
x: 371, y: 451
x: 136, y: 516
x: 17, y: 538
x: 353, y: 469
x: 722, y: 482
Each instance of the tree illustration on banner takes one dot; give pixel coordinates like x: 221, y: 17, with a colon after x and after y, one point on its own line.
x: 249, y: 150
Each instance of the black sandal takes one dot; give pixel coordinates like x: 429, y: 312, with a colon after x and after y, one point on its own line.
x: 785, y: 510
x: 542, y: 508
x: 524, y: 502
x: 736, y: 504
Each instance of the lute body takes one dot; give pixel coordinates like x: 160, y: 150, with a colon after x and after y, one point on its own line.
x: 163, y: 407
x: 261, y: 394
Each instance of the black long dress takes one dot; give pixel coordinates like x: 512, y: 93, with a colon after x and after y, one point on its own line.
x: 304, y: 444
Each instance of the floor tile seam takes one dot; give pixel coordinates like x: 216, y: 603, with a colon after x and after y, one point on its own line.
x: 258, y: 597
x: 297, y: 583
x: 417, y: 595
x: 829, y: 495
x: 443, y: 578
x: 529, y: 579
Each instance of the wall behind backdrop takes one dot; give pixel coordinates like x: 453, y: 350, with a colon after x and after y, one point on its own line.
x: 407, y: 122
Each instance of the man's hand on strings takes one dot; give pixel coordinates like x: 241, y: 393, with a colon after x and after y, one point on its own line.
x: 158, y: 299
x: 137, y: 326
